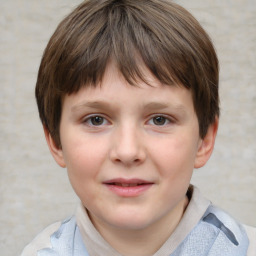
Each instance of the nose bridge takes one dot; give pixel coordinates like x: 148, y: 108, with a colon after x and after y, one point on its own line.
x: 128, y: 145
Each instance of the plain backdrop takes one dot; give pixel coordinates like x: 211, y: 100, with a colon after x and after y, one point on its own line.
x: 35, y: 192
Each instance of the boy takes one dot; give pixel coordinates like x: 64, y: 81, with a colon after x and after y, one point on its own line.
x: 127, y: 92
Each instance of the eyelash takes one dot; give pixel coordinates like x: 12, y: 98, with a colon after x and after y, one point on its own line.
x: 151, y: 121
x: 167, y: 120
x: 89, y: 120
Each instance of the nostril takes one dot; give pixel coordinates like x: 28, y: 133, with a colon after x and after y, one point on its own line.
x: 128, y: 161
x: 127, y: 151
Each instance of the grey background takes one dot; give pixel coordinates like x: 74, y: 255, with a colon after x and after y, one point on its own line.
x: 35, y: 192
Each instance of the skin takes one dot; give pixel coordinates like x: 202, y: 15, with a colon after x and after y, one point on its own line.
x: 119, y: 131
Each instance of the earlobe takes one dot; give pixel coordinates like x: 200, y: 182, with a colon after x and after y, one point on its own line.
x: 54, y: 149
x: 206, y: 145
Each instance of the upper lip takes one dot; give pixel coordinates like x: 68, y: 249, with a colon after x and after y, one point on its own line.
x: 123, y: 181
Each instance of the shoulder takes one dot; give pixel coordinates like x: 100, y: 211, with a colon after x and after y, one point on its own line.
x: 231, y: 236
x: 221, y: 230
x: 223, y: 221
x: 42, y: 240
x: 251, y: 233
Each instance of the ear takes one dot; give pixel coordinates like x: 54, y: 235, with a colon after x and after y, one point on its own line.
x: 206, y: 145
x: 54, y: 149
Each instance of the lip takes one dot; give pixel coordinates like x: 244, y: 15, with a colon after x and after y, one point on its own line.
x: 128, y: 187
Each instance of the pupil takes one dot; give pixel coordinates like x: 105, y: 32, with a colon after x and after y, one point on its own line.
x: 159, y: 120
x: 97, y: 120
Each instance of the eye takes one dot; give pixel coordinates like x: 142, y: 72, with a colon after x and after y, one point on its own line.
x: 159, y: 120
x: 96, y: 121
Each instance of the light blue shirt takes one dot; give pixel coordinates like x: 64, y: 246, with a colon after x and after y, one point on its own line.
x: 216, y: 234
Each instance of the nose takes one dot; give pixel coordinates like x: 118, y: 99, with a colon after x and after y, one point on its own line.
x: 127, y: 146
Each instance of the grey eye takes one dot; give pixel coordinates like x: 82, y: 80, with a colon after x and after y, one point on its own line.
x: 159, y: 120
x: 97, y: 120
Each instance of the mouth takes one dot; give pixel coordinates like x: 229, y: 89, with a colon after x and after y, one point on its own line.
x: 126, y: 184
x: 128, y: 187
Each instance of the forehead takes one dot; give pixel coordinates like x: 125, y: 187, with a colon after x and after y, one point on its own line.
x: 115, y: 92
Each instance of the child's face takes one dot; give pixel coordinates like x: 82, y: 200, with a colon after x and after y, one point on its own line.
x: 130, y: 151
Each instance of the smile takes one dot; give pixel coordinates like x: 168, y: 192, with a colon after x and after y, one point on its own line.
x: 128, y: 188
x: 127, y: 184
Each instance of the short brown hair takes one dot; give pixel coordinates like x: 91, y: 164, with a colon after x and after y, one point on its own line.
x: 166, y: 37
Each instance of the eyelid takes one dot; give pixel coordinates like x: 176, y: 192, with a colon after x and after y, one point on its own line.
x: 169, y: 118
x: 87, y: 118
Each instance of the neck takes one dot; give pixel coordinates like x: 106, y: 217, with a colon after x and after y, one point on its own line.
x: 140, y: 242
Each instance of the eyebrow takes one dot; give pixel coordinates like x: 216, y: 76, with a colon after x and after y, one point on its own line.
x: 90, y: 104
x: 162, y: 105
x: 156, y: 106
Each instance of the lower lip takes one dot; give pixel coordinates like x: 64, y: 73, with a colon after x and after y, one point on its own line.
x: 129, y: 191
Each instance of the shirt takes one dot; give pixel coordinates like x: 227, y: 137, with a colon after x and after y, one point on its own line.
x: 203, y: 230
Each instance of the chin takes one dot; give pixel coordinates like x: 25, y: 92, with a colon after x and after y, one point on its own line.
x: 132, y: 221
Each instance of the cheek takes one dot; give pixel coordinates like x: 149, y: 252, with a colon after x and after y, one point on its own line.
x: 84, y: 164
x: 175, y: 157
x: 84, y: 158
